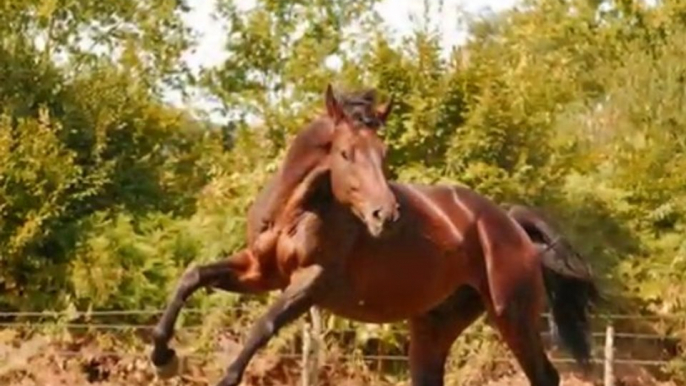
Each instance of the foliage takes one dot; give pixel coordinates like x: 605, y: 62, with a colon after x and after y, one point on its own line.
x: 75, y: 143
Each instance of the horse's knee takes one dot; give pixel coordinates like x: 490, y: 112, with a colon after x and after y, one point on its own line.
x: 189, y: 282
x: 190, y: 277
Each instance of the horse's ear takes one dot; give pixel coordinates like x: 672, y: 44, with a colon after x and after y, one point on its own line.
x: 385, y: 110
x: 333, y: 106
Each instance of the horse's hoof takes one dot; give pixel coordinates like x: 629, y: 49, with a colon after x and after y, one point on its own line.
x: 169, y: 369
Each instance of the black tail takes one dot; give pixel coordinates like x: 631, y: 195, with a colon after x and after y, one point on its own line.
x: 568, y: 283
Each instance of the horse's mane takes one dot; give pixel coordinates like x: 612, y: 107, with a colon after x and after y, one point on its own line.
x: 362, y: 97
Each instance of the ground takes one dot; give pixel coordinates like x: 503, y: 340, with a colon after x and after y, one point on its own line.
x: 41, y: 361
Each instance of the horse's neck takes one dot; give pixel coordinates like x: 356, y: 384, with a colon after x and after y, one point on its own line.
x: 290, y: 185
x: 272, y: 201
x: 309, y: 195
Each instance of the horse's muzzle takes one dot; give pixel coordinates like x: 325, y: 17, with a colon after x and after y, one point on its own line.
x: 381, y: 218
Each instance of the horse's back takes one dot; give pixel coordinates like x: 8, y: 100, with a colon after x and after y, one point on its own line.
x: 463, y: 205
x: 466, y: 210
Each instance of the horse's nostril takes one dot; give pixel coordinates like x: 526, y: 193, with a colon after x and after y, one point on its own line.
x: 376, y: 214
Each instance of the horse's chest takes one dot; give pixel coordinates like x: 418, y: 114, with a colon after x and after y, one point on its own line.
x: 395, y: 279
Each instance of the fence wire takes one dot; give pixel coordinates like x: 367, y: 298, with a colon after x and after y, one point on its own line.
x: 28, y: 320
x: 251, y: 307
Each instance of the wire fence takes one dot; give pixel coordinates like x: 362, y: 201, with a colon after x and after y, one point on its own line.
x: 310, y: 338
x: 250, y: 307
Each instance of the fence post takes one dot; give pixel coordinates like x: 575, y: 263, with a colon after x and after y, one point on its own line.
x: 609, y: 377
x: 311, y: 348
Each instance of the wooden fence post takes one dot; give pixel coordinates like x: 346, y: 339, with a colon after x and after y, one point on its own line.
x: 312, y: 334
x: 609, y: 377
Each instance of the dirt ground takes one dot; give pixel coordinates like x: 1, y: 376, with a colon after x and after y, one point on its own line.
x: 40, y: 362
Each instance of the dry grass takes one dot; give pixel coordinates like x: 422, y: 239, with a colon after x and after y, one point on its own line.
x: 37, y: 361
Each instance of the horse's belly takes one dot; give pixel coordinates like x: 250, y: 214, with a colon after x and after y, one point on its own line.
x: 381, y: 288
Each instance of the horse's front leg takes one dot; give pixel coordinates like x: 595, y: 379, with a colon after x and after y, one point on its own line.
x: 291, y: 304
x: 237, y: 273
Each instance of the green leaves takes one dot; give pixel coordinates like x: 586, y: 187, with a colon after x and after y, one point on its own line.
x: 81, y: 136
x: 276, y: 68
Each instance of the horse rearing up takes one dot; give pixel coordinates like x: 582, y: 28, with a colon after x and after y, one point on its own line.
x: 330, y: 230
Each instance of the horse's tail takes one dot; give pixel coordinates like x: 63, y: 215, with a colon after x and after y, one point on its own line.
x: 568, y: 283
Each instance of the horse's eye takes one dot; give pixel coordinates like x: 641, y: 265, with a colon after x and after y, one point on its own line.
x: 344, y: 154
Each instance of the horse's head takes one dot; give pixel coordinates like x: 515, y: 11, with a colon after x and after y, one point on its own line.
x: 356, y: 160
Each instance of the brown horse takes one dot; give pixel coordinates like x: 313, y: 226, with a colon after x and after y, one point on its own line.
x: 330, y: 230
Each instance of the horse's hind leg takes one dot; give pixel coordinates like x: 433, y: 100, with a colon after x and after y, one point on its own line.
x: 234, y: 274
x: 432, y: 335
x: 518, y: 324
